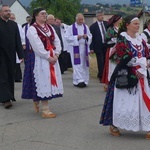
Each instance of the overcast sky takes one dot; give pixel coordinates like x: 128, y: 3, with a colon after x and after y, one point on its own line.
x: 111, y: 1
x: 27, y: 2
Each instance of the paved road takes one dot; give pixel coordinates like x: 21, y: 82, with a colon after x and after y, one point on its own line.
x: 75, y: 128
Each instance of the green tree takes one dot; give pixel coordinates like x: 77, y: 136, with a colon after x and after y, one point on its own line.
x: 66, y: 10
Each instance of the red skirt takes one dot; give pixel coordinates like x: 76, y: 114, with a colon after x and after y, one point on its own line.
x: 106, y: 68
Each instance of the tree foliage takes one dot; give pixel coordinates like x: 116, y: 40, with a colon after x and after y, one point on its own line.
x: 63, y: 9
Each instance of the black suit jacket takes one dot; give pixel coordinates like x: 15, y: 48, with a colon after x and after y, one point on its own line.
x: 58, y: 31
x: 96, y: 43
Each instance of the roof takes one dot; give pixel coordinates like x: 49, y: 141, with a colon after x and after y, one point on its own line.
x: 92, y: 14
x: 8, y: 2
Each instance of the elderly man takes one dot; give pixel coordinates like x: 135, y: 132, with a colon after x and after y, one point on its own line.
x: 79, y: 38
x: 10, y: 44
x: 50, y: 19
x: 98, y: 45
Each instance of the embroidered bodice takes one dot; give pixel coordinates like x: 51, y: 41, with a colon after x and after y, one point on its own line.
x: 45, y: 33
x: 135, y: 45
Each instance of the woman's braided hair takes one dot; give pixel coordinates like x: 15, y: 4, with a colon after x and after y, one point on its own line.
x: 35, y: 13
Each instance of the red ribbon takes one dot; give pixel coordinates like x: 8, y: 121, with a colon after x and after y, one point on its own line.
x: 52, y: 69
x: 145, y: 96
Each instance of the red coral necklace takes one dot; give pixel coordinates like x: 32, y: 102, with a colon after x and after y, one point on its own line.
x: 138, y: 47
x: 44, y: 29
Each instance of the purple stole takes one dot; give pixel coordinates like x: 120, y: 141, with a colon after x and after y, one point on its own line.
x: 76, y: 48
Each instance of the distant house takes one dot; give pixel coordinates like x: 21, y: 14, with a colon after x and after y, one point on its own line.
x: 90, y: 18
x: 17, y: 8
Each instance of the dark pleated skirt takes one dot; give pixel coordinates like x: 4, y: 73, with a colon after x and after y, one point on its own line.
x: 18, y: 72
x: 107, y: 111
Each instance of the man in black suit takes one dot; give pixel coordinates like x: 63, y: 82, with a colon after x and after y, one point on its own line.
x: 98, y: 45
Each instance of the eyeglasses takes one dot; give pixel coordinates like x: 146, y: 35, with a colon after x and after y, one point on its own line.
x: 43, y: 13
x: 6, y: 10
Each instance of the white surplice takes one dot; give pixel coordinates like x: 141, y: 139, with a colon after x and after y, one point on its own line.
x: 42, y: 66
x: 22, y: 37
x: 80, y: 71
x: 129, y: 109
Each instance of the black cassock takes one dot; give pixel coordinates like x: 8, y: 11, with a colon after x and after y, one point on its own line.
x: 10, y: 44
x: 64, y: 57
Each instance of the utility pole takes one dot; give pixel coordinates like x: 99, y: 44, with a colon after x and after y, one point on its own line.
x: 143, y: 5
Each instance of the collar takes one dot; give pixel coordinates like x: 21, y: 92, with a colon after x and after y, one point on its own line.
x: 116, y: 29
x: 100, y: 22
x: 148, y: 31
x: 134, y: 41
x: 78, y: 25
x: 4, y: 20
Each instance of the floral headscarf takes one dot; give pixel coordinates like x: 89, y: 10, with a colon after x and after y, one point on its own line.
x: 113, y: 19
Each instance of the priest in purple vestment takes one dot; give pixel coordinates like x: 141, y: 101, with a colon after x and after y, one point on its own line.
x: 79, y: 38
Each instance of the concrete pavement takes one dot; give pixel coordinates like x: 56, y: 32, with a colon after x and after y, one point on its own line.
x: 76, y: 126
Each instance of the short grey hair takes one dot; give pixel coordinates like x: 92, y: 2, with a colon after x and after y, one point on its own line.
x: 1, y: 6
x: 99, y: 12
x: 50, y: 16
x: 79, y: 14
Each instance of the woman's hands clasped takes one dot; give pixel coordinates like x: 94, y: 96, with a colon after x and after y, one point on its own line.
x: 53, y: 60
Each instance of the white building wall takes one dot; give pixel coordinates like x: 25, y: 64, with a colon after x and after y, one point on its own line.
x: 142, y: 21
x: 19, y: 12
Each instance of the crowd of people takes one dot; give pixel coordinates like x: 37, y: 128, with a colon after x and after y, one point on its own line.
x: 49, y: 47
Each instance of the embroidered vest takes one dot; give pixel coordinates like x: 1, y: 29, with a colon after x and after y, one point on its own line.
x: 44, y: 37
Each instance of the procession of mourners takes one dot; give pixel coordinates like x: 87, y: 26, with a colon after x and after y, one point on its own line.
x: 47, y: 48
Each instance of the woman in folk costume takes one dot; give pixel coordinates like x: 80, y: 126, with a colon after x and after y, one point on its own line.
x: 42, y: 76
x: 146, y: 33
x: 128, y: 107
x: 111, y: 38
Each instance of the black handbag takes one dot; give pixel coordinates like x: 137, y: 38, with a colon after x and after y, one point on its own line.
x: 122, y: 79
x: 125, y: 78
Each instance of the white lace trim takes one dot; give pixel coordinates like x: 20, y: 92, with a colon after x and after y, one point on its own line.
x: 134, y: 41
x: 129, y: 109
x: 134, y: 123
x: 42, y: 78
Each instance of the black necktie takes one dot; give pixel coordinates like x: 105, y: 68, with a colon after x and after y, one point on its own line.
x: 103, y: 30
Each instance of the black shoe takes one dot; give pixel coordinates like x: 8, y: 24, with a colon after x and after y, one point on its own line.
x: 81, y: 85
x: 7, y: 104
x: 18, y: 81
